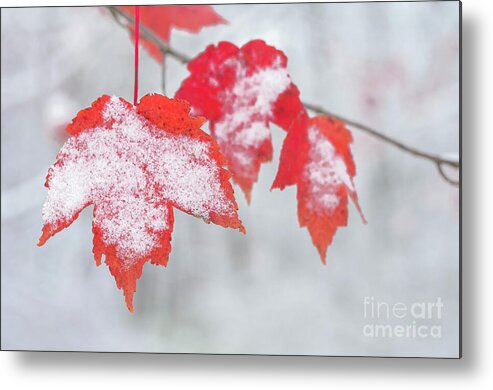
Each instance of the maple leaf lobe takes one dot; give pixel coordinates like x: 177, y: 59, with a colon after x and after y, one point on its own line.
x: 135, y: 164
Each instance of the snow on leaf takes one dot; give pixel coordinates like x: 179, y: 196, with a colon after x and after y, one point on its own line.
x: 135, y: 164
x: 242, y: 90
x: 161, y: 19
x: 317, y: 158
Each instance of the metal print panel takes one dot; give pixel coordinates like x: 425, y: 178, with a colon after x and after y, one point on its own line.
x: 279, y: 179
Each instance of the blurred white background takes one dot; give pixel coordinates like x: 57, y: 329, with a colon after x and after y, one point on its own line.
x: 392, y: 66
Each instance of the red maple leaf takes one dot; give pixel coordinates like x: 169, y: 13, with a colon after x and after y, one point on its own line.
x: 317, y: 158
x: 135, y: 164
x: 160, y: 19
x: 242, y: 90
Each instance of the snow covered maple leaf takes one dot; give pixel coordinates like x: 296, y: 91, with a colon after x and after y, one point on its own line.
x: 161, y: 19
x: 317, y: 158
x: 135, y: 164
x: 242, y: 90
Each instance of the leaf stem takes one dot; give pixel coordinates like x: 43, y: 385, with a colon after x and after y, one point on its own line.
x: 163, y: 74
x: 136, y: 54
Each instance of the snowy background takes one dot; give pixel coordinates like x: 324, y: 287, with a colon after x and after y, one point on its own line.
x: 392, y: 66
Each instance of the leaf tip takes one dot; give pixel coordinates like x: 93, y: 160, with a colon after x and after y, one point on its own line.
x: 45, y: 235
x: 355, y: 200
x: 129, y: 297
x: 275, y: 186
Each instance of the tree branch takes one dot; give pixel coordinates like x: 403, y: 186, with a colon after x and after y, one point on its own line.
x: 438, y: 160
x: 128, y: 21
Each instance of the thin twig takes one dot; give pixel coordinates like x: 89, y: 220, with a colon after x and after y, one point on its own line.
x: 439, y: 161
x: 444, y: 175
x: 385, y: 138
x: 147, y: 34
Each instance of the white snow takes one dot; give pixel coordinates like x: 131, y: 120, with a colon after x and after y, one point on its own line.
x: 250, y: 101
x: 126, y: 172
x: 325, y: 171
